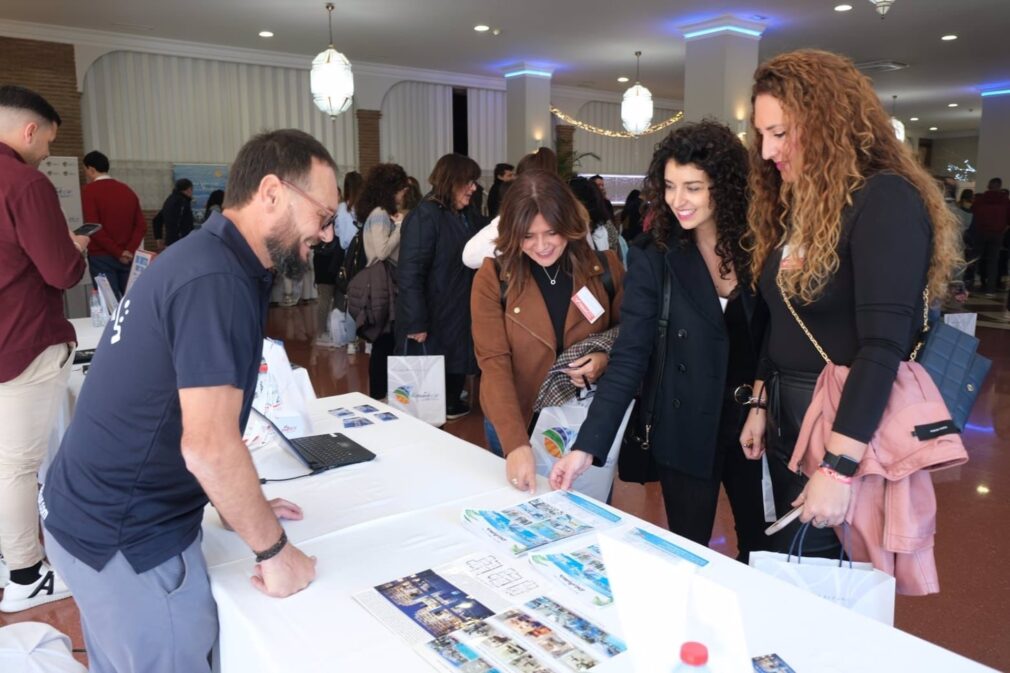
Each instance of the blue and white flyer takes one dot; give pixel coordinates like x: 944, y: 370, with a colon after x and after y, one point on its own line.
x: 541, y: 521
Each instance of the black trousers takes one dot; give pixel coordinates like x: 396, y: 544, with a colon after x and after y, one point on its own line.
x: 453, y: 388
x: 691, y: 501
x: 378, y: 377
x: 990, y: 264
x: 789, y: 395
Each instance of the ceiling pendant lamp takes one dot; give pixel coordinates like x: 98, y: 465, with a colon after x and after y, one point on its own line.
x: 330, y: 80
x: 882, y: 6
x: 636, y: 108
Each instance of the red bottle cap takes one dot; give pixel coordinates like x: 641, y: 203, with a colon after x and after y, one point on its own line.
x: 694, y: 654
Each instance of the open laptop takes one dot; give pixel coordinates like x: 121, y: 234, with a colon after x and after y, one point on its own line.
x: 322, y: 452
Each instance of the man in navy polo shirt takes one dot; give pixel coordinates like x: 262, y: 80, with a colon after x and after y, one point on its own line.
x: 158, y: 427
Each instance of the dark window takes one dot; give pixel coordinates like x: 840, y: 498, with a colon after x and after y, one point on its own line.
x: 460, y: 140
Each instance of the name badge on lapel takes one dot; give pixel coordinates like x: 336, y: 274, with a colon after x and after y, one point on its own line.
x: 588, y: 305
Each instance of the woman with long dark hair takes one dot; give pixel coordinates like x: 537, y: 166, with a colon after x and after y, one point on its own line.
x: 604, y: 235
x: 847, y: 230
x: 214, y: 203
x: 697, y: 188
x: 544, y: 259
x: 379, y: 205
x: 433, y: 304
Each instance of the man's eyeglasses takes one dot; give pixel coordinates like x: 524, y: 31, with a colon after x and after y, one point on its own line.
x: 332, y: 215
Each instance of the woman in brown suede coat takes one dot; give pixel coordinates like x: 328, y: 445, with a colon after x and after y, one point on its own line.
x: 524, y: 315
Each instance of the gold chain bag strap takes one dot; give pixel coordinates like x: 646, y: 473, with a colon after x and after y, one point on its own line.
x: 817, y: 345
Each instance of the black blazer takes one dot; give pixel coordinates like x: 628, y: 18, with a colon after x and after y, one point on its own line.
x: 690, y: 399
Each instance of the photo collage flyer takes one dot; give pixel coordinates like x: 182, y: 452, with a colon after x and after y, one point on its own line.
x: 541, y: 636
x: 541, y: 521
x: 485, y: 613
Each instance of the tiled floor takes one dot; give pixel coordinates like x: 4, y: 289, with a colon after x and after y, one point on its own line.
x: 971, y: 615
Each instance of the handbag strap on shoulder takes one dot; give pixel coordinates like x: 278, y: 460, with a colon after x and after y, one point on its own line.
x: 656, y: 382
x: 803, y: 326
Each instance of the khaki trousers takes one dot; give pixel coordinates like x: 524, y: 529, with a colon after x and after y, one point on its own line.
x: 28, y: 408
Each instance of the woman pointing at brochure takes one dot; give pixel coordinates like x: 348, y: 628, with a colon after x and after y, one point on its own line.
x: 545, y: 292
x: 697, y: 188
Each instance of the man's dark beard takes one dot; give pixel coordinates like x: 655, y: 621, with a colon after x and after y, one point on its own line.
x: 287, y: 258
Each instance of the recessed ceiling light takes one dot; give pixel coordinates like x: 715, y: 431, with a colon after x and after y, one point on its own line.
x: 913, y: 119
x: 266, y: 33
x: 496, y: 31
x: 933, y: 128
x: 842, y: 8
x: 951, y: 104
x: 481, y: 28
x: 948, y: 38
x: 622, y: 80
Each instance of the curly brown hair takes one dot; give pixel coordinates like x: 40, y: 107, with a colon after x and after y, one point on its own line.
x: 846, y: 136
x: 379, y: 190
x: 714, y: 149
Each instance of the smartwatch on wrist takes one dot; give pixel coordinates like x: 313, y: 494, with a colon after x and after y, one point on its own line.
x: 274, y: 550
x: 843, y: 465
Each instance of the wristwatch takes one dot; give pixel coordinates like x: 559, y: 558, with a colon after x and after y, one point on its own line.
x: 843, y: 465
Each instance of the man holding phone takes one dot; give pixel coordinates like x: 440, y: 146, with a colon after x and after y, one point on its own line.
x: 39, y: 259
x: 115, y: 206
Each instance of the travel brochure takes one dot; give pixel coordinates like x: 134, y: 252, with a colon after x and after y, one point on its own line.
x: 491, y: 612
x: 579, y: 567
x: 541, y: 636
x: 541, y: 521
x: 483, y: 614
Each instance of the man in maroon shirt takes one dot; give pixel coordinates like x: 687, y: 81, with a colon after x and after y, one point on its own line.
x: 990, y: 220
x: 116, y: 207
x: 39, y: 259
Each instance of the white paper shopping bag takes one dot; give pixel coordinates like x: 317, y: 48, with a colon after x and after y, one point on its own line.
x: 963, y: 321
x: 417, y: 386
x: 279, y: 396
x: 857, y: 586
x: 553, y: 437
x: 342, y: 328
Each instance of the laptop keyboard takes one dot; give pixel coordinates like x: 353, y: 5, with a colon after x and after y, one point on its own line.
x: 327, y: 451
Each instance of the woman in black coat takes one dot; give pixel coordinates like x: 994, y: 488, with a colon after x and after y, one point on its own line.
x: 697, y: 183
x: 433, y: 303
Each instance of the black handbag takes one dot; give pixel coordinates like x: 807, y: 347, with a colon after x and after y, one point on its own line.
x: 952, y: 360
x: 636, y: 462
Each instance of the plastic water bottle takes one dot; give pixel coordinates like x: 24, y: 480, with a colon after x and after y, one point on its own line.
x: 95, y: 306
x: 693, y: 658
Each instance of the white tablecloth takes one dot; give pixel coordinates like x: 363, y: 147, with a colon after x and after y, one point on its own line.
x: 400, y: 514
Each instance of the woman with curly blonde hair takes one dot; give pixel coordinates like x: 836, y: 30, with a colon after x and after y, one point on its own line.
x: 850, y: 230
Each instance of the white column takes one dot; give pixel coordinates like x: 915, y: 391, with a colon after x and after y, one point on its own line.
x: 994, y: 138
x: 527, y: 108
x: 720, y: 60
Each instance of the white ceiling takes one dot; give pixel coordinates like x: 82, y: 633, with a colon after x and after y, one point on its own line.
x: 590, y: 42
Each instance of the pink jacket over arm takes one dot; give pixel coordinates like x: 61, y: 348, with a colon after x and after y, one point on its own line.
x: 892, y: 514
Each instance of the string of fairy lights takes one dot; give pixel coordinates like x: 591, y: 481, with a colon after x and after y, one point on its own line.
x: 654, y: 128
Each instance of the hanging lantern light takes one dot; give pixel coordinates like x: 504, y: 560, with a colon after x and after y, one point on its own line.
x: 882, y: 6
x: 636, y: 108
x: 330, y: 80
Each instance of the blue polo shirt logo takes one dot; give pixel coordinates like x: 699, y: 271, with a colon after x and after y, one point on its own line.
x: 122, y: 311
